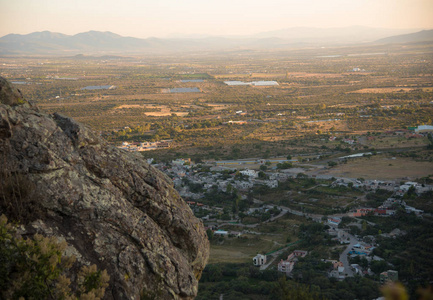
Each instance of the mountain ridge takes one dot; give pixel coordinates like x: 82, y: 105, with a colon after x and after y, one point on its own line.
x: 46, y: 42
x: 421, y: 36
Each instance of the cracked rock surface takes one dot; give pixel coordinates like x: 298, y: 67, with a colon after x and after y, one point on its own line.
x: 113, y: 209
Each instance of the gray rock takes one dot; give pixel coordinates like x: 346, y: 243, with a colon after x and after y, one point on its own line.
x: 113, y: 209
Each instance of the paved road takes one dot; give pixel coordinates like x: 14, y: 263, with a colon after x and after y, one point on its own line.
x: 282, y: 213
x: 343, y: 256
x: 271, y: 257
x: 275, y: 254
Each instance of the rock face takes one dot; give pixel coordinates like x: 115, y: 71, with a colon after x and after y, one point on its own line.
x: 113, y: 209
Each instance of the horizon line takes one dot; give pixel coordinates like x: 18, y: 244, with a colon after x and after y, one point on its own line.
x: 206, y: 35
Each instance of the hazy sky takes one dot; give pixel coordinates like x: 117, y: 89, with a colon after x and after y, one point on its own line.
x: 160, y: 18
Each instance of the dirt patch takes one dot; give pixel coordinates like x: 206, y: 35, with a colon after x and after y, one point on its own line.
x: 166, y: 113
x: 129, y: 106
x: 218, y: 106
x: 382, y: 90
x: 380, y: 167
x: 310, y: 75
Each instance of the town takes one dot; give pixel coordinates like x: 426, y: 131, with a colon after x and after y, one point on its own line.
x: 318, y: 163
x: 230, y: 202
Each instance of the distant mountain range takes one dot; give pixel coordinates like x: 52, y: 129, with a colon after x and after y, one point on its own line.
x: 346, y: 35
x: 417, y: 37
x: 108, y: 43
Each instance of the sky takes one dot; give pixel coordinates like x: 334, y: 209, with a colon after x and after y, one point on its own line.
x: 168, y: 18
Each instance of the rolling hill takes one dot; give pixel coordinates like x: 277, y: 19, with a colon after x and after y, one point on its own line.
x: 417, y: 37
x: 108, y: 43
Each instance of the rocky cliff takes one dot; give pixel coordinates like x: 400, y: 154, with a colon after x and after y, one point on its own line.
x: 113, y: 209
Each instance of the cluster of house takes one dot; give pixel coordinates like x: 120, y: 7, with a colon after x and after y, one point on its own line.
x: 347, y: 141
x: 145, y: 146
x: 399, y: 189
x: 418, y: 188
x: 360, y: 212
x: 422, y: 129
x: 337, y: 269
x: 235, y: 122
x: 364, y: 184
x: 221, y: 232
x: 387, y: 276
x: 340, y: 235
x: 180, y: 170
x: 286, y: 266
x: 387, y: 209
x: 334, y: 221
x: 361, y: 249
x: 193, y: 203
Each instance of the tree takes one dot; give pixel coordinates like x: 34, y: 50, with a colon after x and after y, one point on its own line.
x: 35, y: 268
x: 210, y: 234
x: 284, y: 165
x: 332, y: 163
x: 378, y: 266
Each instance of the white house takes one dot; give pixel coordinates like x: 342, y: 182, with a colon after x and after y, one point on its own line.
x: 286, y: 266
x: 424, y: 128
x: 250, y: 173
x: 243, y: 185
x: 220, y: 232
x: 334, y: 221
x: 259, y: 260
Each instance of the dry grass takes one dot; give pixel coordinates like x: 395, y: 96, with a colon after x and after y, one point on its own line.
x: 312, y: 75
x: 397, y: 142
x: 218, y: 106
x: 229, y: 76
x: 239, y: 249
x: 381, y: 167
x: 129, y: 106
x: 267, y: 75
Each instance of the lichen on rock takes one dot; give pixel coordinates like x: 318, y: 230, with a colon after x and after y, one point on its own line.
x: 113, y: 209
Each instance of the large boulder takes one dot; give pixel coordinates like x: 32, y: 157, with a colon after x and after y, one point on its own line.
x: 113, y: 209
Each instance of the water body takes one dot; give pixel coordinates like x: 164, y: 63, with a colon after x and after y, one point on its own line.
x: 367, y: 54
x: 357, y: 155
x: 329, y: 56
x: 99, y: 87
x: 185, y: 90
x: 192, y: 80
x: 254, y: 83
x: 329, y: 120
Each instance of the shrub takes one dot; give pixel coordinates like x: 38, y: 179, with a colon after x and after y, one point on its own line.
x: 35, y: 268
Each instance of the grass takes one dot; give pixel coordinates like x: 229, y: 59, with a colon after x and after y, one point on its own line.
x: 384, y: 90
x: 274, y: 235
x: 397, y: 142
x: 243, y: 249
x: 382, y: 167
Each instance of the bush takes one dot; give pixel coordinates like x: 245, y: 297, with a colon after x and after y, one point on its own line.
x: 36, y: 269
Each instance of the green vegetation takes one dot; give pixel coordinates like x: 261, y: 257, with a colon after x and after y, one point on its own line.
x: 319, y: 112
x: 35, y: 268
x: 317, y: 98
x: 310, y: 195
